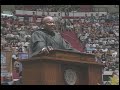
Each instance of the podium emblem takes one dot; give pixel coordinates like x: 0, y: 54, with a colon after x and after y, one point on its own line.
x: 70, y: 76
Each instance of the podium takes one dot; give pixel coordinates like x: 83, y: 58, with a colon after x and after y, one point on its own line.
x: 61, y: 67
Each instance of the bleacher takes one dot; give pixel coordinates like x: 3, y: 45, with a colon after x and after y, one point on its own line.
x: 100, y: 36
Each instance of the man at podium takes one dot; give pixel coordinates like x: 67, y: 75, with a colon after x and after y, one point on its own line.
x: 45, y: 39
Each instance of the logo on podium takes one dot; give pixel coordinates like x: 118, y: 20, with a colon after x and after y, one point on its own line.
x: 70, y: 77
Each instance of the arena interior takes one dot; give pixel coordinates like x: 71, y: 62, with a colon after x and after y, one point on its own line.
x: 92, y: 29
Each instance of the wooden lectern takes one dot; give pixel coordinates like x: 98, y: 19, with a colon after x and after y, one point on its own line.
x: 62, y: 67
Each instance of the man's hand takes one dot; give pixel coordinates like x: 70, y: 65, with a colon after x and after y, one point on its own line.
x: 50, y: 48
x: 47, y: 49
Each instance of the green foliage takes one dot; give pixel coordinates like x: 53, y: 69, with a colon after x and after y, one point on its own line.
x: 114, y: 80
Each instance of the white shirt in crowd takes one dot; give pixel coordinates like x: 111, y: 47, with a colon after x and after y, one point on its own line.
x: 26, y: 44
x: 21, y: 43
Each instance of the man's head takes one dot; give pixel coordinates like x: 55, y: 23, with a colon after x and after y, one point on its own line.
x: 48, y: 23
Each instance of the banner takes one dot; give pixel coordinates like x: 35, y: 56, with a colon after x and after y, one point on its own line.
x: 6, y: 66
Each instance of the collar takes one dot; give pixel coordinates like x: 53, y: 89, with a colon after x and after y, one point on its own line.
x: 52, y: 33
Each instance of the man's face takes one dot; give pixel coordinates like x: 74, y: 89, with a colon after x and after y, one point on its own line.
x: 49, y: 24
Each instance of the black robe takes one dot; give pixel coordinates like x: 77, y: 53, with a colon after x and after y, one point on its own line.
x: 43, y: 38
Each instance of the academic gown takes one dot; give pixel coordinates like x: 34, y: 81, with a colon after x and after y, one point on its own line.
x: 42, y: 38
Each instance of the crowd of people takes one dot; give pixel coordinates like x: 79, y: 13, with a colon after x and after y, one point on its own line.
x: 98, y: 34
x: 15, y: 37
